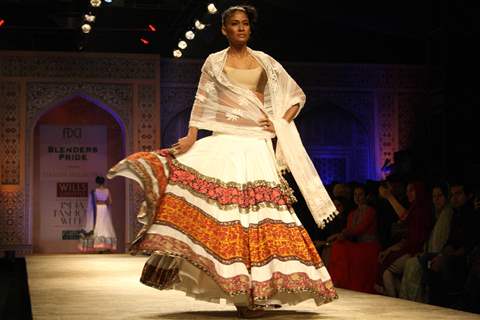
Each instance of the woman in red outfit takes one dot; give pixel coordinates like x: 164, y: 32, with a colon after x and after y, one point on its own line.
x: 355, y: 250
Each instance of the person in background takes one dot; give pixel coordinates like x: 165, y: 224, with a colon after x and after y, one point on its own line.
x: 448, y: 270
x: 418, y: 220
x: 355, y: 249
x: 413, y: 280
x: 99, y: 233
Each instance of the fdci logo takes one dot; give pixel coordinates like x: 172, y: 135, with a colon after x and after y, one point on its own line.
x: 72, y: 133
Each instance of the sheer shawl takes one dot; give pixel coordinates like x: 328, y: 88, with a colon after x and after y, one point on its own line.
x: 222, y: 106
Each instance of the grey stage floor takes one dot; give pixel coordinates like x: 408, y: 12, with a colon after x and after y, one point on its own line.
x: 106, y: 286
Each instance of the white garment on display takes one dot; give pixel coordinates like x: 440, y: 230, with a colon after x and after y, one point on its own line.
x: 98, y: 233
x: 221, y: 105
x: 103, y: 224
x: 218, y: 219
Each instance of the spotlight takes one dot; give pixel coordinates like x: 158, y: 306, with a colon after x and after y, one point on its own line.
x: 177, y: 53
x: 89, y: 17
x: 189, y: 35
x: 211, y: 8
x: 108, y: 1
x: 152, y: 28
x: 86, y: 28
x: 2, y: 22
x: 182, y: 44
x: 145, y: 41
x: 199, y: 25
x: 95, y: 3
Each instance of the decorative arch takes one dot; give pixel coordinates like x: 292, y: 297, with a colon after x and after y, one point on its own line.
x: 78, y: 110
x: 31, y: 83
x: 52, y: 101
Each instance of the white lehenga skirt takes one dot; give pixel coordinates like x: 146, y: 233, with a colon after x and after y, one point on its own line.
x: 104, y: 237
x: 219, y: 225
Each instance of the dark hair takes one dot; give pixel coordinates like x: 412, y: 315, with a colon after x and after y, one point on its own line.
x: 360, y: 186
x: 443, y: 186
x: 250, y: 11
x: 100, y: 180
x: 458, y: 182
x: 343, y: 201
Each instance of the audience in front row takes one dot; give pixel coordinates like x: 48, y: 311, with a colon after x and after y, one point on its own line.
x: 405, y: 240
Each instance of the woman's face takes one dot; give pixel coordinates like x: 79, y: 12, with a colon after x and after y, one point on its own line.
x: 438, y: 198
x: 237, y: 28
x: 411, y: 195
x: 359, y: 196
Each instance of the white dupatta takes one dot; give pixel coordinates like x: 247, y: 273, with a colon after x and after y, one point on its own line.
x: 222, y: 106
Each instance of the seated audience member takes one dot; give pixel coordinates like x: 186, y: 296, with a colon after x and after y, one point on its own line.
x: 418, y: 220
x: 390, y: 232
x: 471, y: 292
x: 355, y: 249
x: 447, y: 272
x: 413, y: 280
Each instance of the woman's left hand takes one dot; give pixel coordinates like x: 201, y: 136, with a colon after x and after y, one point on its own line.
x: 267, y: 125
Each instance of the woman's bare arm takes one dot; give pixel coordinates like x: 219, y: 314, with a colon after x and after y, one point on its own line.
x: 397, y: 206
x: 288, y: 116
x: 291, y: 112
x: 185, y: 143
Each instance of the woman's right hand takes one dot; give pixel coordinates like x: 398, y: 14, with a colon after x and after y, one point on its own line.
x: 183, y: 145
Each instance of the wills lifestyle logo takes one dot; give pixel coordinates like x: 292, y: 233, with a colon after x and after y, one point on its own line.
x: 72, y: 189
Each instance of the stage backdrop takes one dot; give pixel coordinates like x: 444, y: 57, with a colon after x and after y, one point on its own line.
x: 366, y: 113
x: 70, y: 159
x: 121, y: 91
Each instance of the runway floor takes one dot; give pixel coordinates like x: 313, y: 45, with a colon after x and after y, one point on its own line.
x: 106, y: 286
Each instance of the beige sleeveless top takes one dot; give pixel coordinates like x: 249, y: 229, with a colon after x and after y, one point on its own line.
x: 252, y: 79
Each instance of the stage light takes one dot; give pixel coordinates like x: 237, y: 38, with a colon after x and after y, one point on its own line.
x: 89, y: 17
x: 152, y: 28
x: 177, y: 53
x: 182, y: 44
x: 211, y: 8
x: 2, y: 22
x: 95, y: 3
x: 108, y: 1
x: 145, y: 41
x: 199, y: 25
x: 86, y: 28
x: 189, y: 35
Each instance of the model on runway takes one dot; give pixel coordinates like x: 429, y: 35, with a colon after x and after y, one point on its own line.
x: 218, y: 218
